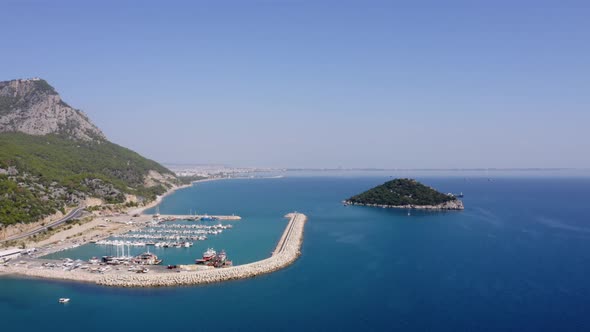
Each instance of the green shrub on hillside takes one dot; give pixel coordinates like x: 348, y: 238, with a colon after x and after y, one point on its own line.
x: 97, y: 168
x: 20, y: 204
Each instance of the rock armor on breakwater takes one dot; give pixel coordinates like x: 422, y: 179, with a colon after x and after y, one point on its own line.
x: 286, y: 252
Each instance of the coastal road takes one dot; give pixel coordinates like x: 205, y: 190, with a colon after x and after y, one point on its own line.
x: 75, y: 213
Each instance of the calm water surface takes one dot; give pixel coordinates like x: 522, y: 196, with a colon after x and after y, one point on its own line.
x: 518, y: 258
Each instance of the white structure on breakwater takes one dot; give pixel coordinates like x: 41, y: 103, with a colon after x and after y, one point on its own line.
x: 6, y: 255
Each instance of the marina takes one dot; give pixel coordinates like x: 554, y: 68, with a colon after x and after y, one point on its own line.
x: 165, y: 236
x: 126, y: 270
x: 202, y: 217
x: 286, y: 252
x: 171, y: 231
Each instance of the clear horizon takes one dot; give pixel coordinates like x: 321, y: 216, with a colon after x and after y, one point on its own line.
x: 319, y: 84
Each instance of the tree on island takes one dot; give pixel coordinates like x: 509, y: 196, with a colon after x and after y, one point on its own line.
x: 402, y: 193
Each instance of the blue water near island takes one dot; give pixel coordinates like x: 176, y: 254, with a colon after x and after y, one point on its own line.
x: 517, y: 259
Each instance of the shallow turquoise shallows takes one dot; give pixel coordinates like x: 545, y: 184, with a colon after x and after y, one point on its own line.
x: 517, y: 259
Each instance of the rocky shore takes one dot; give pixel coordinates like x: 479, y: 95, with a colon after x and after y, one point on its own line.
x: 450, y: 205
x: 41, y: 272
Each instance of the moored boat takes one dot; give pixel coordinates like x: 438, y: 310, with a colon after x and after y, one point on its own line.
x: 147, y: 258
x: 209, y: 254
x: 208, y: 218
x: 222, y: 256
x: 214, y: 259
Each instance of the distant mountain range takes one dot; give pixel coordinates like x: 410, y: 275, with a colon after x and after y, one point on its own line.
x: 52, y: 156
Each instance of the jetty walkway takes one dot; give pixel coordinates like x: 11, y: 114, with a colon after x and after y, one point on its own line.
x: 286, y: 252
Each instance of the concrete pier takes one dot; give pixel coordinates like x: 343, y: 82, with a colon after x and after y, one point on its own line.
x: 285, y: 253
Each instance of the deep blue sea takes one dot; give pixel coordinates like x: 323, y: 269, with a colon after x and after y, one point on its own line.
x: 517, y: 259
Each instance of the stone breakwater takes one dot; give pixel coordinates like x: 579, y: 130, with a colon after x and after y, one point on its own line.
x: 38, y: 272
x: 286, y: 252
x: 450, y: 205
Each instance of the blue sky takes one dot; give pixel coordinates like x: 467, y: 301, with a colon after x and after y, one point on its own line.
x: 318, y: 83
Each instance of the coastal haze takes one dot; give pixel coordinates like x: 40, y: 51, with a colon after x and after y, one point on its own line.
x: 319, y: 84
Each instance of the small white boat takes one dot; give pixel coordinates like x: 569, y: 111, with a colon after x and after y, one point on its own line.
x: 64, y: 300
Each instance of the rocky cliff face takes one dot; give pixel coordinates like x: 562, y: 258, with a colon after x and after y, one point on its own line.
x: 41, y: 173
x: 33, y: 107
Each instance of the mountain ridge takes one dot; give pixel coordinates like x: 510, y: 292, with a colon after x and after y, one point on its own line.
x: 33, y: 106
x: 52, y: 157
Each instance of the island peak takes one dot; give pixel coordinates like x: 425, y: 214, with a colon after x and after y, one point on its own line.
x: 406, y: 194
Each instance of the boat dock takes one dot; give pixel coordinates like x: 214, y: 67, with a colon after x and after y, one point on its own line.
x: 286, y: 252
x: 203, y: 217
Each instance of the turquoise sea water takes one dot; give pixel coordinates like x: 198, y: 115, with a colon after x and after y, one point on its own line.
x: 517, y: 259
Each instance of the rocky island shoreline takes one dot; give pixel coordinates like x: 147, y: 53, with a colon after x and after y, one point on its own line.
x: 451, y: 205
x: 406, y: 194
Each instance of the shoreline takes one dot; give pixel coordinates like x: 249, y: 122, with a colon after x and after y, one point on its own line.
x: 117, y: 223
x: 159, y: 198
x: 447, y: 206
x: 288, y: 249
x: 285, y: 253
x: 95, y: 229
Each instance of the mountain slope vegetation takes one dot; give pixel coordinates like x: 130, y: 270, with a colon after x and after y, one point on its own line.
x: 52, y: 157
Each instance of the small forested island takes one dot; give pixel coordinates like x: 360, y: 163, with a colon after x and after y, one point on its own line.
x: 406, y: 194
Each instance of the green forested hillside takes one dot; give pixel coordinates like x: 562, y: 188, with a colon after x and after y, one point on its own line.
x: 20, y: 204
x: 52, y: 170
x: 401, y: 192
x: 57, y: 159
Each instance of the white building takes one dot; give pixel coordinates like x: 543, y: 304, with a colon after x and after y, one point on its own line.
x: 10, y: 254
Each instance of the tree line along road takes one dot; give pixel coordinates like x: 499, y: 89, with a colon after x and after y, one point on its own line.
x: 75, y: 213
